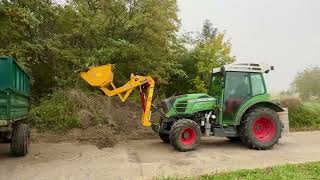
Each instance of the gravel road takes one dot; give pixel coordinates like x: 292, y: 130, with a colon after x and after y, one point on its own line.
x: 145, y: 159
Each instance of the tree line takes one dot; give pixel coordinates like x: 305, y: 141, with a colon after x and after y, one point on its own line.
x: 306, y: 84
x: 53, y: 42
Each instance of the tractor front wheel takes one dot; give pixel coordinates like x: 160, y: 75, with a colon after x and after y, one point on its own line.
x: 185, y: 135
x: 260, y: 128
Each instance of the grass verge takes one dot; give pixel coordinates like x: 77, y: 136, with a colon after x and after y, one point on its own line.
x: 285, y: 172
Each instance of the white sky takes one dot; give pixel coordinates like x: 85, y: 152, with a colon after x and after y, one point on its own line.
x: 283, y: 33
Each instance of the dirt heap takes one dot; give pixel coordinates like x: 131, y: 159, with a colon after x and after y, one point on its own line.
x: 104, y: 121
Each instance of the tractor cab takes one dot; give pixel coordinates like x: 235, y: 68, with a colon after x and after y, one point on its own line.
x: 235, y: 84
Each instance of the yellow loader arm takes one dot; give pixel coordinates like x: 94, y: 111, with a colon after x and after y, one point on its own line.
x: 102, y: 78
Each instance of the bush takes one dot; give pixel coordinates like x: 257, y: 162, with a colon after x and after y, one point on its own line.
x: 55, y: 113
x: 302, y: 116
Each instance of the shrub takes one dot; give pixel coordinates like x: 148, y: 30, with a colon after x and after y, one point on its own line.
x: 302, y: 116
x: 55, y: 113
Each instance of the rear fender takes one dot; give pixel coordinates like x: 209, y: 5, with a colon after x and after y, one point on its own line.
x: 267, y: 104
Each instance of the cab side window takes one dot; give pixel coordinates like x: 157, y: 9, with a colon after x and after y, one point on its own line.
x: 237, y: 86
x: 257, y: 84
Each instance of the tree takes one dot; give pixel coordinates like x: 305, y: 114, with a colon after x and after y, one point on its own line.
x: 212, y: 53
x: 208, y: 31
x: 26, y: 26
x: 210, y: 50
x: 55, y: 41
x: 307, y: 83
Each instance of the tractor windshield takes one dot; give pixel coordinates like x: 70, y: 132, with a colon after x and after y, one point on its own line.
x: 215, y: 84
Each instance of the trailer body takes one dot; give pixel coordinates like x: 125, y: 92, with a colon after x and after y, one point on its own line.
x: 14, y: 91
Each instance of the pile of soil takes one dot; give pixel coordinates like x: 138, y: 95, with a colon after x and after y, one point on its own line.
x: 104, y: 121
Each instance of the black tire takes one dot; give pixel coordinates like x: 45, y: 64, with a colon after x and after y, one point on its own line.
x: 164, y: 137
x: 20, y: 140
x: 234, y: 139
x: 251, y: 128
x: 185, y: 143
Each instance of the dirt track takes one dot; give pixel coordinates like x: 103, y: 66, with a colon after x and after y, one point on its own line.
x: 148, y: 158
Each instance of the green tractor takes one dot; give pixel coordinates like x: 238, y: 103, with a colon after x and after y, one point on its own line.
x: 237, y: 106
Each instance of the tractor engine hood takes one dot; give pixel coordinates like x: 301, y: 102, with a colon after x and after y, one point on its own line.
x: 188, y: 104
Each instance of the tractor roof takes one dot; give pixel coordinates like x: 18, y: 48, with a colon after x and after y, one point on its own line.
x: 245, y: 67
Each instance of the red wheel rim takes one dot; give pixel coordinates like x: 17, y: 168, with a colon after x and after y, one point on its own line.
x: 264, y: 129
x: 188, y: 136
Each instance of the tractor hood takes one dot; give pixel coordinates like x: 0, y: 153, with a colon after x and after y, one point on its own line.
x: 188, y: 104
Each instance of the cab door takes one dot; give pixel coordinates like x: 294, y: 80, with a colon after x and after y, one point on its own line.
x: 237, y: 90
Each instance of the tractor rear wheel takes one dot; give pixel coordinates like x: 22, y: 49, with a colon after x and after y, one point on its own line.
x: 260, y: 128
x: 164, y: 137
x: 185, y: 135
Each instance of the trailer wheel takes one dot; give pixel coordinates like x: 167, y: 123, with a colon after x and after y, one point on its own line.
x: 20, y: 139
x: 164, y: 137
x: 185, y: 135
x: 260, y: 128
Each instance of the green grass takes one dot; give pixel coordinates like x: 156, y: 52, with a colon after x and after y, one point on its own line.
x: 285, y: 172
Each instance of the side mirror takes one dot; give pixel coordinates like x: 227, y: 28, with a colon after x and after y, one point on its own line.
x: 271, y: 68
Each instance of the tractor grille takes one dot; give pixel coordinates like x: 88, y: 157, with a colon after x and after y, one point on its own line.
x: 168, y: 103
x: 181, y: 106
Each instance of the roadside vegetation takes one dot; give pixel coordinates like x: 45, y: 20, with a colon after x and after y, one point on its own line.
x: 305, y: 117
x: 303, y: 100
x: 55, y: 112
x: 286, y: 172
x: 302, y: 115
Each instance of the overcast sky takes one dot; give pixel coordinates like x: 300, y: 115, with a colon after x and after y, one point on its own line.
x: 283, y: 33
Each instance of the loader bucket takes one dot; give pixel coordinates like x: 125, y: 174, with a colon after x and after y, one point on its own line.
x: 98, y: 76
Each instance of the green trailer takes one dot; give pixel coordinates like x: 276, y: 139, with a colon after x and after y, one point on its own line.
x: 14, y: 105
